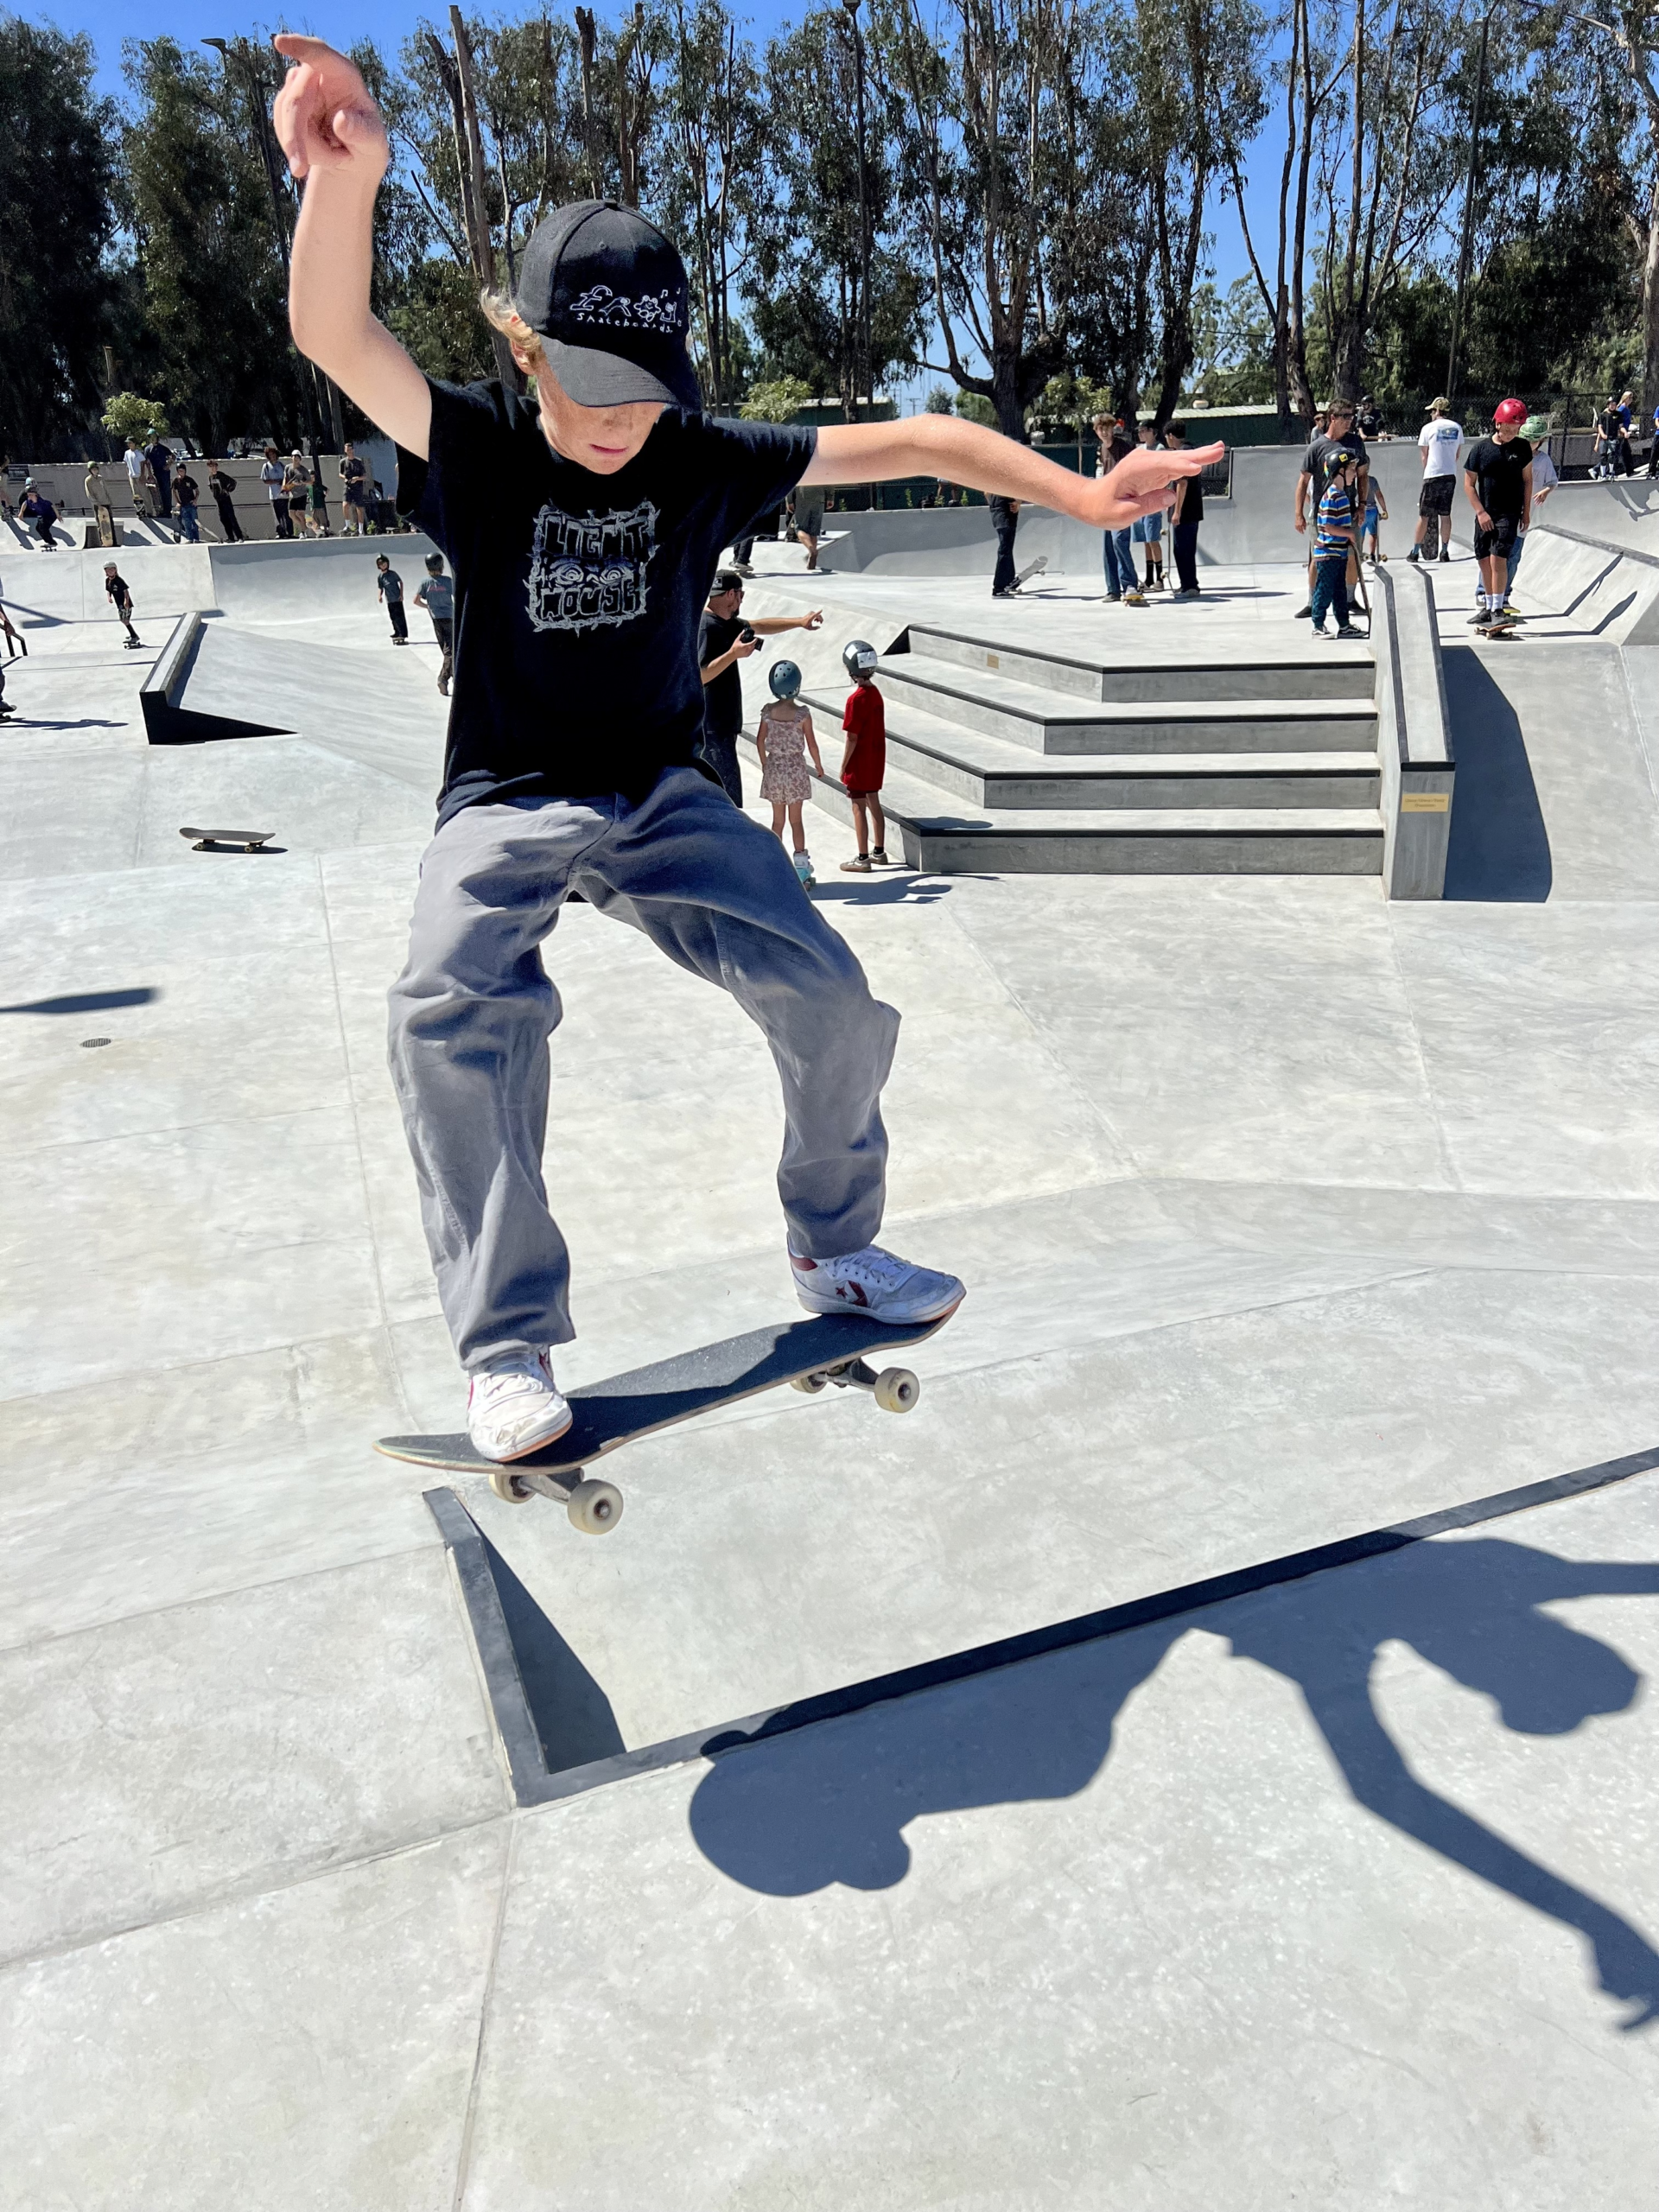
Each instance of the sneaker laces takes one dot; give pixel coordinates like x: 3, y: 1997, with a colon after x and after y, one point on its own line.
x: 494, y: 1385
x: 873, y: 1261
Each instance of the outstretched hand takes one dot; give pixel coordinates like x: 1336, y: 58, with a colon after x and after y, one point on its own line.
x: 324, y: 116
x: 1143, y: 483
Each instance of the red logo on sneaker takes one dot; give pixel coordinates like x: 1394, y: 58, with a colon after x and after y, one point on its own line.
x: 854, y: 1292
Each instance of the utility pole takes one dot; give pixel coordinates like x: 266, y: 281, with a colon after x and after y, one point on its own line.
x: 321, y: 399
x: 1470, y: 180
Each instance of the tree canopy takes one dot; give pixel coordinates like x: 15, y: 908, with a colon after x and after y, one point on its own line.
x: 1017, y: 197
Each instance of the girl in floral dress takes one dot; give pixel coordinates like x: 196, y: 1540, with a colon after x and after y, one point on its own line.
x: 783, y: 740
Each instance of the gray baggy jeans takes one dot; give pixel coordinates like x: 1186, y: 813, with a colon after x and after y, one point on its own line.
x: 472, y: 1011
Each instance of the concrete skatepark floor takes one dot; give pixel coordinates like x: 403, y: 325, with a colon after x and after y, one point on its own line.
x: 1287, y: 1214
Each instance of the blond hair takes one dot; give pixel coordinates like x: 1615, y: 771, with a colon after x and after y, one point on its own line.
x: 501, y: 314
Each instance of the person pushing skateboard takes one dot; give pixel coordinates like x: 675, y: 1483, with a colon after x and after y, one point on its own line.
x: 583, y: 523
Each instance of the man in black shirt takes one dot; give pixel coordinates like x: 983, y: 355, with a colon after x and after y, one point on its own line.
x: 1497, y: 479
x: 1005, y: 521
x: 1315, y: 471
x: 720, y: 645
x: 1183, y: 523
x: 584, y: 525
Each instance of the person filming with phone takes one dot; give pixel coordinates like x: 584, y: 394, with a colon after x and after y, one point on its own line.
x: 724, y: 639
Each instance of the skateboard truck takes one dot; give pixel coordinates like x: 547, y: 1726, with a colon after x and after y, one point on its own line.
x: 593, y: 1507
x: 895, y: 1390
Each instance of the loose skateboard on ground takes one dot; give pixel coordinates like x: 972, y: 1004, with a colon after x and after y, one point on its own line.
x: 1032, y: 568
x: 207, y: 841
x: 808, y: 1354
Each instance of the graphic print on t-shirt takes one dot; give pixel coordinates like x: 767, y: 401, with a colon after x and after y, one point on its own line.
x: 588, y: 571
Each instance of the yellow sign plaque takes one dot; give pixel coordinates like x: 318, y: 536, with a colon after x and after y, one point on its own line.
x: 1425, y: 802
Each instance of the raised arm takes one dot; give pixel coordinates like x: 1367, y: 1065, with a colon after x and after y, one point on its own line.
x: 330, y: 131
x: 965, y: 452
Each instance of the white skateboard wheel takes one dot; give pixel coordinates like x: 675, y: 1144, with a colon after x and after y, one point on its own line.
x: 506, y: 1484
x: 810, y: 1383
x: 897, y: 1390
x: 594, y: 1507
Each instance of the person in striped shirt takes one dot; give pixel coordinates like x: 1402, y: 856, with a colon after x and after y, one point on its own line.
x: 1332, y: 544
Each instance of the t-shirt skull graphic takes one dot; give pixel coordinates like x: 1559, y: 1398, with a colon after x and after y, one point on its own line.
x: 576, y: 595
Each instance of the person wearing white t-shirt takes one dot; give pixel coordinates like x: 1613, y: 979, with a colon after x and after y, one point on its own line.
x: 1440, y: 440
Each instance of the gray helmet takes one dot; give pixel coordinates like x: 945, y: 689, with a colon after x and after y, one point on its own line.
x: 859, y: 659
x: 785, y: 679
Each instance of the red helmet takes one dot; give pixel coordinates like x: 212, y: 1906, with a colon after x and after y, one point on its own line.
x: 1510, y: 410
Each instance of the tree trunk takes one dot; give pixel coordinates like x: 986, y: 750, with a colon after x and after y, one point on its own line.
x: 1650, y: 308
x: 469, y: 153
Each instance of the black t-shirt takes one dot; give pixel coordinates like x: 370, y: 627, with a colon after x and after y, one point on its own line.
x: 1499, y: 473
x: 722, y: 700
x: 1314, y: 459
x: 576, y: 595
x: 185, y: 486
x: 1191, y: 501
x: 1369, y: 423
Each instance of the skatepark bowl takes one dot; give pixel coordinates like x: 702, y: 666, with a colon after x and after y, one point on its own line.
x: 1202, y: 1756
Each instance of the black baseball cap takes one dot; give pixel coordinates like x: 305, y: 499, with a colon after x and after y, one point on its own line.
x: 608, y: 296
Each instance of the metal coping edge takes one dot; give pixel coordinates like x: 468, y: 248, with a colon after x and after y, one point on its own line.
x: 534, y: 1784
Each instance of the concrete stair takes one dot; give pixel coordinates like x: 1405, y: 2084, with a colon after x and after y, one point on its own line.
x: 1035, y: 760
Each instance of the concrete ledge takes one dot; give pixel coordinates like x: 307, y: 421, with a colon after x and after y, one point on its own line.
x: 1414, y: 735
x: 166, y: 722
x: 534, y: 1783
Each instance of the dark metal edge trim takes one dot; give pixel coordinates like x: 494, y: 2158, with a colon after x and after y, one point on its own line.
x: 544, y: 1788
x: 515, y: 1731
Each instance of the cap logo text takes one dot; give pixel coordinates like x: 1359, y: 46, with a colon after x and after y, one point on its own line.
x: 664, y: 310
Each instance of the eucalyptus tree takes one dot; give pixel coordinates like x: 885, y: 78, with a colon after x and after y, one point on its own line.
x: 58, y: 218
x: 712, y: 122
x: 209, y: 254
x: 1002, y: 97
x: 1196, y: 74
x: 834, y: 291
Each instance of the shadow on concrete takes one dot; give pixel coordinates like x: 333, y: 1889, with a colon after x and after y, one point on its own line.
x: 85, y: 1001
x: 572, y: 1714
x: 893, y: 889
x: 1499, y: 848
x: 831, y: 1803
x: 87, y: 721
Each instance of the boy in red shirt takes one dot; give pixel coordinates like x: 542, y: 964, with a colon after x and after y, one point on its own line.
x: 864, y: 762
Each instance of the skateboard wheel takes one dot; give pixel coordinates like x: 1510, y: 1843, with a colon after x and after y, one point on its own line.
x: 506, y: 1484
x: 810, y: 1383
x: 594, y: 1507
x: 897, y: 1390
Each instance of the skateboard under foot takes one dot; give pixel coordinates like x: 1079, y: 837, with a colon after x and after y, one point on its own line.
x: 808, y: 1355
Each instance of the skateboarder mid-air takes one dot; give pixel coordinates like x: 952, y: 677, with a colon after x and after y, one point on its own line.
x: 584, y: 523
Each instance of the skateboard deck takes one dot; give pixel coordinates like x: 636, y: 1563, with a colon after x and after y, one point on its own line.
x: 1032, y: 568
x: 206, y: 840
x: 810, y: 1353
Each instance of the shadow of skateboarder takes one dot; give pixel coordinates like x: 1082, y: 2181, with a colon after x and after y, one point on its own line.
x: 799, y: 1811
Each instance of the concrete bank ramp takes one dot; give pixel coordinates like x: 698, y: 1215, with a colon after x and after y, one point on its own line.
x: 299, y: 581
x: 41, y: 590
x: 383, y: 711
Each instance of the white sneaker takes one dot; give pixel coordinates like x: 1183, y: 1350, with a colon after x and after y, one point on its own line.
x: 877, y: 1283
x: 513, y: 1411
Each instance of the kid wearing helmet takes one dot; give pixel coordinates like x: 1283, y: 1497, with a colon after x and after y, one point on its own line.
x: 864, y: 758
x: 783, y: 740
x: 584, y: 521
x: 1497, y: 480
